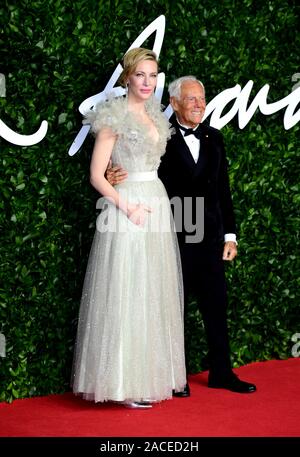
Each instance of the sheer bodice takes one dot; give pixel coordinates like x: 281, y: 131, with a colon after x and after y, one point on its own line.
x: 135, y: 150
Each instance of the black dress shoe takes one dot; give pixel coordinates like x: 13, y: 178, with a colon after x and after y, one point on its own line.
x: 184, y: 393
x: 234, y: 384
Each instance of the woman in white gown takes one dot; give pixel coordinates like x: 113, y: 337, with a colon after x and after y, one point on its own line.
x: 130, y: 343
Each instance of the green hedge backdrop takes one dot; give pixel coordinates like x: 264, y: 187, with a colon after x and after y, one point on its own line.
x: 54, y: 55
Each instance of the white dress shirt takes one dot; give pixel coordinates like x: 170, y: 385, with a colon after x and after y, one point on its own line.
x: 192, y: 142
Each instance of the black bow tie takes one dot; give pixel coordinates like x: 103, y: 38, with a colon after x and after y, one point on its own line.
x: 191, y: 131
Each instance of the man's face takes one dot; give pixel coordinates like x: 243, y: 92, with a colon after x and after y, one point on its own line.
x: 190, y: 107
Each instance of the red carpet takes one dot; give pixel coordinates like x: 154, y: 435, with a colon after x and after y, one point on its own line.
x: 272, y: 411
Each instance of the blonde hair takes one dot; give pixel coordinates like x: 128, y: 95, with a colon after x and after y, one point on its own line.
x: 131, y: 60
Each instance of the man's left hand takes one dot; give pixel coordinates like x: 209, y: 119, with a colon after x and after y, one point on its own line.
x: 230, y: 250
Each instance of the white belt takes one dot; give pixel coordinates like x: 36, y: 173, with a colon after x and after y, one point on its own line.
x: 142, y: 176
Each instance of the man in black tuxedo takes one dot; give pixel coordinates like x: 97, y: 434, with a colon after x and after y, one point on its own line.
x: 194, y: 166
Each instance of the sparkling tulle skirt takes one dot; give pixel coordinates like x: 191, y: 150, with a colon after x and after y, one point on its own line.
x: 130, y: 343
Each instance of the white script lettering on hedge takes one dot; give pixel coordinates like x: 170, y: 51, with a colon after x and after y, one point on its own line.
x: 13, y: 137
x: 217, y: 105
x: 23, y: 140
x: 214, y: 108
x: 2, y: 345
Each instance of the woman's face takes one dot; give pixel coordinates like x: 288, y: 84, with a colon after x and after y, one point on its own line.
x: 142, y: 82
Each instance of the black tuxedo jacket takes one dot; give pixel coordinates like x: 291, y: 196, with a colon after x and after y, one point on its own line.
x: 207, y: 178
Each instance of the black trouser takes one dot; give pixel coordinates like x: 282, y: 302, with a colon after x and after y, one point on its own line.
x: 204, y: 277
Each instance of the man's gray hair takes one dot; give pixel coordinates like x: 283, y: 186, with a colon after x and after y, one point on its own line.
x: 175, y: 86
